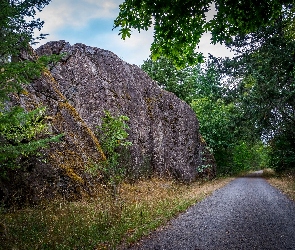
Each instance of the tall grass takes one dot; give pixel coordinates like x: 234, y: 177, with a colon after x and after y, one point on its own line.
x: 284, y: 181
x: 103, y: 222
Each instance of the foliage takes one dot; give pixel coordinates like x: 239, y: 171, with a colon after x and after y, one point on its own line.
x: 265, y: 90
x: 282, y: 151
x: 248, y: 156
x: 215, y: 119
x: 259, y: 99
x: 17, y: 25
x: 221, y: 127
x: 21, y: 132
x: 113, y: 137
x: 218, y: 129
x: 14, y: 74
x: 179, y: 25
x: 180, y: 82
x: 188, y: 83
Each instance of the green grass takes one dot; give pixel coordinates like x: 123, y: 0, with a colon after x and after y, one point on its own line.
x: 102, y: 222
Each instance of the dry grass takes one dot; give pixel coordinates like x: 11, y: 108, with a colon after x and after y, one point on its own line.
x: 103, y: 222
x: 284, y: 182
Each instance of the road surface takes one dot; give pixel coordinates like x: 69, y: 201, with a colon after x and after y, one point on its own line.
x: 247, y: 214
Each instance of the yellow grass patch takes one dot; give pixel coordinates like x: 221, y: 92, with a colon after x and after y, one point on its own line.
x: 284, y: 182
x: 104, y: 221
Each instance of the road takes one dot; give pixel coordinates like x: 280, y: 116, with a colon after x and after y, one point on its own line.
x: 248, y: 213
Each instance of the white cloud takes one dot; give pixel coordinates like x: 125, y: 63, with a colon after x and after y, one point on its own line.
x: 76, y: 13
x: 133, y: 50
x: 72, y: 16
x: 217, y: 50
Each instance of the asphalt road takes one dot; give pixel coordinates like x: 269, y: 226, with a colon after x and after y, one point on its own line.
x: 248, y: 213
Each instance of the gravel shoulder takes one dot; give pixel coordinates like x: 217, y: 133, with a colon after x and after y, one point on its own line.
x: 248, y: 213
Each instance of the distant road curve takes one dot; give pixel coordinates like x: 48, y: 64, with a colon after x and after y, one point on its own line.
x: 247, y: 214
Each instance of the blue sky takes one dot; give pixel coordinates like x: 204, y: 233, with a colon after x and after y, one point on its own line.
x: 91, y: 22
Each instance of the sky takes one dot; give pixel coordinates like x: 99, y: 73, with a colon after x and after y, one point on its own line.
x: 91, y: 21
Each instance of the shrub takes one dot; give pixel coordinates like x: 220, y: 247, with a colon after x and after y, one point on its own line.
x: 20, y: 134
x: 112, y: 134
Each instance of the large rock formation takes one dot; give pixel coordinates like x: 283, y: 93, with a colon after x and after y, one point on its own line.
x: 88, y: 81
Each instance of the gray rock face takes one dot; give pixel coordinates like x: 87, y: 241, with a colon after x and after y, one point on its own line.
x: 77, y: 91
x: 58, y: 170
x: 163, y: 129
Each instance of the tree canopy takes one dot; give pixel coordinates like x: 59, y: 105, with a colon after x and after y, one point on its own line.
x: 179, y: 25
x: 17, y: 25
x: 264, y: 76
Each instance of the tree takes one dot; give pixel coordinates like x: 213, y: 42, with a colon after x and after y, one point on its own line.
x: 21, y: 132
x: 226, y: 132
x: 264, y: 75
x: 17, y: 25
x: 179, y: 25
x: 189, y: 83
x: 217, y: 126
x: 183, y: 83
